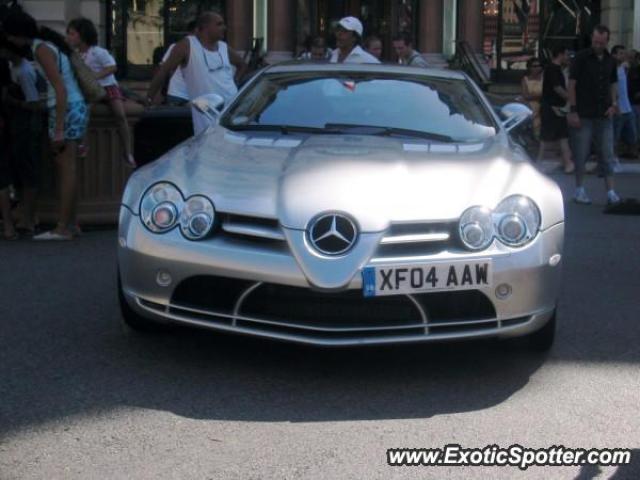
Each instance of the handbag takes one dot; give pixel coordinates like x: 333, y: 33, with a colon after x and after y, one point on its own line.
x: 91, y: 89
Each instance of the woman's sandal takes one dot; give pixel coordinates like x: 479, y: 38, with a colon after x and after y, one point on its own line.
x: 52, y: 235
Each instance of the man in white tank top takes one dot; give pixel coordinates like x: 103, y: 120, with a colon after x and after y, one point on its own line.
x: 207, y: 65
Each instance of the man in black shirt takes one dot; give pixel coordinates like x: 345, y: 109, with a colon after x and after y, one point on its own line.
x: 593, y: 102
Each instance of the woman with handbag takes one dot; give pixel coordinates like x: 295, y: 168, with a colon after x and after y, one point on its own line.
x: 68, y: 113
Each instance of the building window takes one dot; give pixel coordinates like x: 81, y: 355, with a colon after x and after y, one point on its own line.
x: 516, y: 30
x: 140, y: 30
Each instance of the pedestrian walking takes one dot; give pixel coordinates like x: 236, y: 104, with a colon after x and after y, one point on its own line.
x: 317, y: 51
x: 593, y: 102
x: 207, y: 65
x: 624, y: 123
x: 83, y: 37
x: 25, y: 108
x: 554, y: 108
x: 8, y: 228
x: 403, y: 46
x: 532, y: 91
x: 68, y: 113
x: 373, y: 46
x: 348, y: 39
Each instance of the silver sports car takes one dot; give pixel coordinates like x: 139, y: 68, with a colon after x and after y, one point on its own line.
x: 346, y: 205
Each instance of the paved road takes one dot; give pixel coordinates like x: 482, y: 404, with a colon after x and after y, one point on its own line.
x: 80, y: 398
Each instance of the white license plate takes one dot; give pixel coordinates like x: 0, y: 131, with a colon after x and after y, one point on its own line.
x: 426, y: 277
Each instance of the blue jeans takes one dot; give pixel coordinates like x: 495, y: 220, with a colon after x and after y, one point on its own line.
x: 600, y: 132
x: 625, y: 128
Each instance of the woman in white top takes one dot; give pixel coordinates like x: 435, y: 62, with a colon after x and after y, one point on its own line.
x: 83, y: 36
x: 68, y: 114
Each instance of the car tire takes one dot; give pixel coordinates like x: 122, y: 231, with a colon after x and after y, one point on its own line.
x: 539, y: 341
x: 134, y: 321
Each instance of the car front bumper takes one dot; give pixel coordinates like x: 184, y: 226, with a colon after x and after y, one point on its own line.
x: 227, y: 285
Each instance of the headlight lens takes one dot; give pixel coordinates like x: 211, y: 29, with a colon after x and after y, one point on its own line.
x: 476, y: 228
x: 518, y: 220
x: 160, y: 206
x: 515, y: 222
x: 197, y: 217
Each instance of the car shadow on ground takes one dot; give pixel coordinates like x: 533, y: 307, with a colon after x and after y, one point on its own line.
x: 205, y: 375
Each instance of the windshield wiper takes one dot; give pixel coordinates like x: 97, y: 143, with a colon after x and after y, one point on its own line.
x: 389, y: 131
x: 285, y: 129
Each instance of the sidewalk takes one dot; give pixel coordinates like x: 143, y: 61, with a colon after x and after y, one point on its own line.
x: 553, y: 166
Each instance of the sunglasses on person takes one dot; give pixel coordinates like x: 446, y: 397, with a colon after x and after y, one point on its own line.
x: 206, y: 62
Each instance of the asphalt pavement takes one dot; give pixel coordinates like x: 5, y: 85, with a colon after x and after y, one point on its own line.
x: 83, y: 398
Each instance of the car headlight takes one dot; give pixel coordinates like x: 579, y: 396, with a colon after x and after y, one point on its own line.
x: 197, y: 217
x: 517, y: 220
x: 476, y: 228
x: 160, y: 207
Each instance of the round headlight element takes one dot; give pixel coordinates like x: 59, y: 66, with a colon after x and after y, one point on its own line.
x: 164, y: 215
x: 476, y: 228
x: 518, y: 220
x: 197, y: 217
x: 160, y: 207
x: 512, y: 229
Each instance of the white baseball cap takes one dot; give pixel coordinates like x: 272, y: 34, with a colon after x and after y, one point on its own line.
x: 352, y: 24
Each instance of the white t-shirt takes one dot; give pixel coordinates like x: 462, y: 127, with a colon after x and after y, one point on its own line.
x: 357, y: 55
x: 25, y: 75
x: 97, y: 59
x: 208, y: 71
x: 177, y: 85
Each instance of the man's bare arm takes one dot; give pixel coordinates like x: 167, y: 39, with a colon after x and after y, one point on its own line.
x: 179, y: 56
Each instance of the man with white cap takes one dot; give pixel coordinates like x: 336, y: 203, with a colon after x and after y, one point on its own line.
x: 348, y: 36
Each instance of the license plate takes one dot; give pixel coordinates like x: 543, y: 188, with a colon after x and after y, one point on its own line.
x: 426, y: 277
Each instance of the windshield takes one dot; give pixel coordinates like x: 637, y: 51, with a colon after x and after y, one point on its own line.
x: 377, y: 104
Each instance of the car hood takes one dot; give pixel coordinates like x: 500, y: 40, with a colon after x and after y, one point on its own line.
x: 375, y: 180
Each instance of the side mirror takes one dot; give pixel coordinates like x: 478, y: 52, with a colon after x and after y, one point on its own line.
x: 210, y: 105
x: 514, y: 115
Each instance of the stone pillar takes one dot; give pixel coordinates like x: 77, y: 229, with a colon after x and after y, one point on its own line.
x: 281, y: 30
x: 636, y: 25
x: 430, y: 26
x: 240, y: 24
x: 470, y: 23
x: 618, y: 16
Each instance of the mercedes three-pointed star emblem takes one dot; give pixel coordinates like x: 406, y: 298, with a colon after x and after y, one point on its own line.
x: 333, y: 233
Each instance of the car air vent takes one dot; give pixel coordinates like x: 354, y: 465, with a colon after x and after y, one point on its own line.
x: 420, y: 238
x: 255, y: 227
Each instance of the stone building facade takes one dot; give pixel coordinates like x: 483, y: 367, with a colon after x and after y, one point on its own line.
x: 503, y: 32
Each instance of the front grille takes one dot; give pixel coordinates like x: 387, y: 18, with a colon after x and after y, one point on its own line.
x: 329, y: 310
x: 324, y: 316
x: 418, y: 239
x: 210, y: 293
x: 242, y: 227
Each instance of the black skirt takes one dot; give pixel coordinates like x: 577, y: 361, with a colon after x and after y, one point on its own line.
x: 553, y: 127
